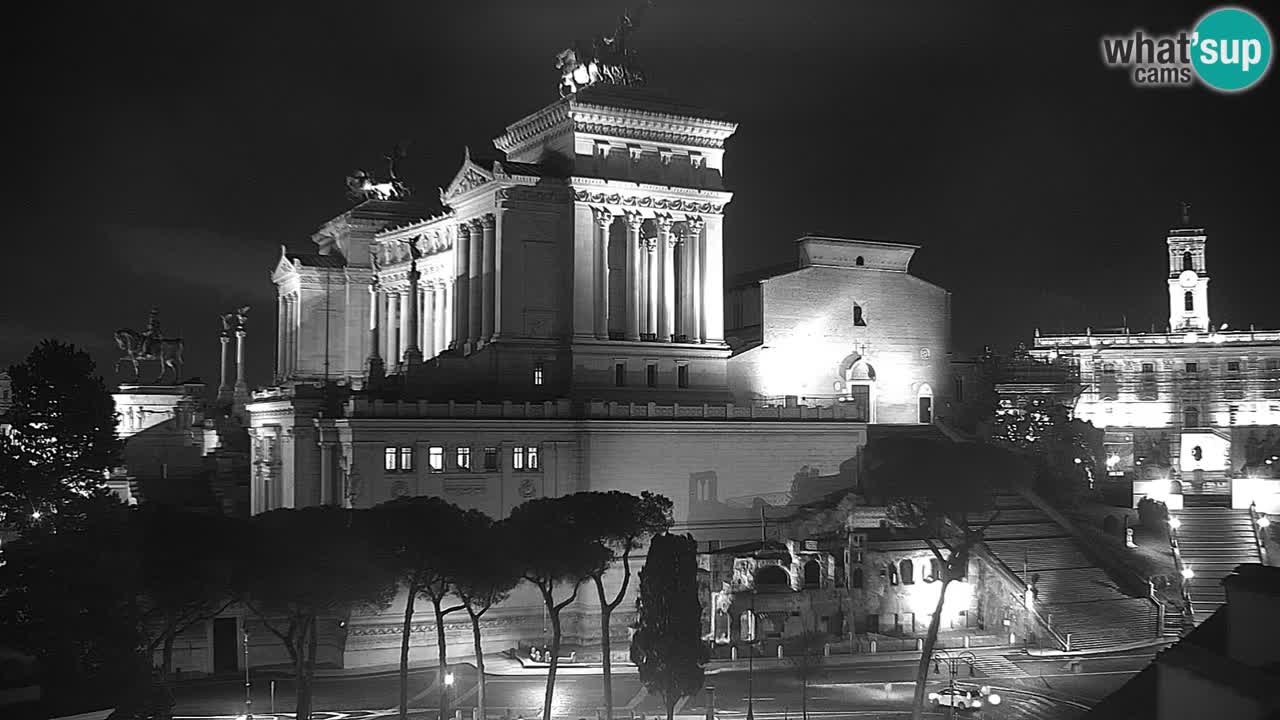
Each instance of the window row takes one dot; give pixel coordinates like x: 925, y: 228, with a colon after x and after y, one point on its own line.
x: 401, y: 459
x: 1233, y: 366
x: 650, y: 374
x: 902, y: 573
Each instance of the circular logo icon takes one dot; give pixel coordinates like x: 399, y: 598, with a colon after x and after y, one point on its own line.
x: 1231, y: 49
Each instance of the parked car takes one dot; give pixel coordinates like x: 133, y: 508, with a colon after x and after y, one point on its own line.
x: 964, y: 698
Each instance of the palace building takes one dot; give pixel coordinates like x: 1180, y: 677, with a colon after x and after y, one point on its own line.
x: 558, y: 324
x: 1195, y: 410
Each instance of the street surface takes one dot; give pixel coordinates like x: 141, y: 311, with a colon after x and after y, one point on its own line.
x: 1031, y: 688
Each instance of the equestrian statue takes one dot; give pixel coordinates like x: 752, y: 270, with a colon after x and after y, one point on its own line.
x: 150, y: 345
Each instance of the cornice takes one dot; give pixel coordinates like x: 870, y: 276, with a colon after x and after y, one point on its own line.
x: 534, y: 126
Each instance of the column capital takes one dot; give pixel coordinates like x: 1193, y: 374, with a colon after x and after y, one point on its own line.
x: 634, y: 220
x: 464, y: 228
x: 649, y: 243
x: 488, y: 221
x: 603, y: 217
x: 664, y: 222
x: 695, y: 223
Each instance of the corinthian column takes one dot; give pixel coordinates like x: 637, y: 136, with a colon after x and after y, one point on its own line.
x: 633, y: 275
x: 393, y: 320
x: 488, y: 287
x: 462, y: 285
x: 376, y: 368
x: 654, y: 272
x: 693, y: 241
x: 475, y: 280
x: 412, y: 322
x: 242, y: 387
x: 604, y: 220
x: 280, y: 338
x: 224, y: 388
x: 666, y: 257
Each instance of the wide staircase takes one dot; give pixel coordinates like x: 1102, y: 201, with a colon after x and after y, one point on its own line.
x: 1212, y: 540
x: 1077, y: 598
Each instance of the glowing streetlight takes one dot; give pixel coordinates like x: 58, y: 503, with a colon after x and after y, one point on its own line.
x: 35, y: 515
x: 1264, y: 521
x: 1187, y: 573
x: 1174, y: 523
x: 448, y: 678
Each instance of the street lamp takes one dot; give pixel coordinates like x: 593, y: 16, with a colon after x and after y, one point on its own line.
x: 248, y: 695
x: 953, y: 663
x: 448, y: 684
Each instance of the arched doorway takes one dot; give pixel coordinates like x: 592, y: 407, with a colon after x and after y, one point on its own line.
x: 859, y: 386
x: 924, y: 401
x: 812, y: 575
x: 772, y: 578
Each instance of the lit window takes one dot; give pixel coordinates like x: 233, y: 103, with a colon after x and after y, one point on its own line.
x: 464, y: 458
x: 620, y: 374
x: 537, y: 373
x: 435, y: 458
x: 389, y: 459
x: 517, y: 458
x: 682, y: 376
x: 491, y: 458
x: 651, y: 375
x: 531, y: 457
x: 406, y: 459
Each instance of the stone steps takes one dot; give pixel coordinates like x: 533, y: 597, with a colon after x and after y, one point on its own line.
x: 1213, y: 541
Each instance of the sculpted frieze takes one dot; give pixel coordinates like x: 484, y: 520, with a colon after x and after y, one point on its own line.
x: 648, y: 202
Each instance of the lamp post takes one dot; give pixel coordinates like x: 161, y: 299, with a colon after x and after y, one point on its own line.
x: 448, y: 684
x: 751, y: 660
x: 248, y: 694
x: 953, y: 662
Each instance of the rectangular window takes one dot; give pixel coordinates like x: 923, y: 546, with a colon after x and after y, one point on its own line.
x: 1192, y: 367
x: 620, y: 374
x: 517, y: 458
x: 651, y: 375
x: 1273, y: 363
x: 682, y: 376
x: 537, y: 373
x: 1233, y: 366
x: 406, y: 459
x: 464, y: 458
x: 1148, y: 368
x: 491, y: 458
x: 531, y: 457
x: 959, y: 389
x: 389, y: 459
x: 435, y: 458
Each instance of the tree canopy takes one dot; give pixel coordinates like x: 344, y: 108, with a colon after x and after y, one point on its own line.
x: 62, y: 442
x: 667, y: 647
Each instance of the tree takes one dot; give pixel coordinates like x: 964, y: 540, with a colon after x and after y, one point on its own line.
x: 486, y: 578
x: 313, y: 563
x: 668, y: 647
x: 68, y: 597
x: 62, y: 443
x: 552, y: 550
x: 188, y: 573
x: 809, y: 655
x: 417, y: 535
x: 936, y: 488
x: 620, y: 521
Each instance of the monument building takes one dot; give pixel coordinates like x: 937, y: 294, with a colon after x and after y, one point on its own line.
x: 558, y: 324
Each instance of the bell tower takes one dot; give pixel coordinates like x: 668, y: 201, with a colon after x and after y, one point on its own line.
x: 1188, y: 277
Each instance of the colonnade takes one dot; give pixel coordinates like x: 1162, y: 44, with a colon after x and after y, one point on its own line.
x: 665, y: 275
x: 391, y: 321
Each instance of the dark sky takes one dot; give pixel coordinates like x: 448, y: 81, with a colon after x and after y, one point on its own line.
x: 162, y: 152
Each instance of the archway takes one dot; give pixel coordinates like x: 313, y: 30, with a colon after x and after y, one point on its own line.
x: 812, y: 575
x: 1175, y: 487
x: 772, y: 577
x: 924, y: 402
x: 860, y: 385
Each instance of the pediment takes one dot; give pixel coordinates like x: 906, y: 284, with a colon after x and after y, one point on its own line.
x: 469, y: 177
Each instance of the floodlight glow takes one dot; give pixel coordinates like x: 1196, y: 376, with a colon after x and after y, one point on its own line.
x: 1174, y: 522
x: 448, y: 678
x: 1264, y: 521
x: 993, y: 699
x: 1187, y: 573
x: 35, y: 515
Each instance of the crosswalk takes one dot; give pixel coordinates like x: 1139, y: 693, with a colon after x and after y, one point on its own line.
x: 997, y: 666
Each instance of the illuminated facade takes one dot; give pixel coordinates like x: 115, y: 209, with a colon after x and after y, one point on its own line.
x: 560, y: 326
x: 1192, y: 410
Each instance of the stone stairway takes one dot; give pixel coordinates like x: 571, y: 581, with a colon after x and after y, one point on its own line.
x: 1077, y: 597
x: 1212, y: 541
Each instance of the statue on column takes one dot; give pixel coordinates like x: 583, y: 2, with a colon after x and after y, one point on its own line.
x: 150, y: 345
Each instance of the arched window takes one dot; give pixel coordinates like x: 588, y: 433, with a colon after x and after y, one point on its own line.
x: 935, y: 570
x: 1187, y: 262
x: 858, y: 261
x: 908, y: 572
x: 772, y: 577
x: 1188, y: 301
x: 812, y: 574
x: 1175, y: 487
x: 1191, y: 417
x: 857, y: 316
x: 857, y: 578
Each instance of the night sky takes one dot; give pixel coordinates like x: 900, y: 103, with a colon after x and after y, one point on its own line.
x: 164, y: 151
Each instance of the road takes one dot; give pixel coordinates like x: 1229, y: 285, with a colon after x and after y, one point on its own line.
x: 1031, y: 689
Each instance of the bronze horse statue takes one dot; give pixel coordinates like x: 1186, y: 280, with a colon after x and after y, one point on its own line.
x: 137, y: 348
